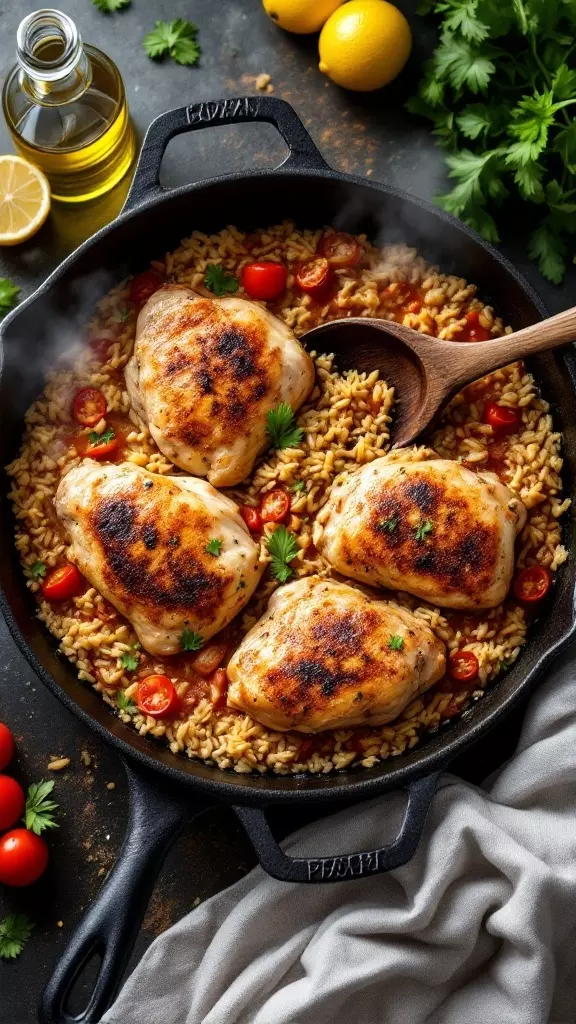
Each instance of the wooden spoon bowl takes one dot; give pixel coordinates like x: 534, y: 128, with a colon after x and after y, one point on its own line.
x: 424, y: 371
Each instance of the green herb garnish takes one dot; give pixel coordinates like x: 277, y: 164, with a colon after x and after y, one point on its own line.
x: 283, y: 548
x: 390, y: 524
x: 109, y: 6
x: 176, y: 38
x: 14, y: 933
x: 102, y: 438
x: 38, y: 811
x: 190, y: 641
x: 214, y: 547
x: 296, y: 487
x: 282, y: 429
x: 421, y: 531
x: 396, y: 643
x: 37, y: 571
x: 130, y: 660
x: 218, y: 281
x: 125, y: 703
x: 8, y: 294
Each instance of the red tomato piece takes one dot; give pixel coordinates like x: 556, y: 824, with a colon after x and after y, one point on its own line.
x: 314, y: 276
x: 100, y: 347
x: 500, y: 417
x: 63, y: 582
x: 251, y: 517
x: 475, y: 331
x: 275, y: 506
x: 207, y: 660
x: 533, y: 583
x: 219, y: 688
x: 144, y: 285
x: 23, y: 857
x: 6, y: 745
x: 156, y: 696
x: 102, y: 449
x: 89, y: 407
x: 340, y: 249
x: 463, y: 666
x: 12, y: 801
x: 264, y: 280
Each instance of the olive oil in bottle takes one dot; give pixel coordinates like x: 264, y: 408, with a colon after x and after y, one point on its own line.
x: 65, y: 105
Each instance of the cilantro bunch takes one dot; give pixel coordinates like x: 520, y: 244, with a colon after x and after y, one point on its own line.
x: 500, y: 90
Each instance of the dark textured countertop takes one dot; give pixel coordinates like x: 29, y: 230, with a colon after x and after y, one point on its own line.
x: 360, y: 134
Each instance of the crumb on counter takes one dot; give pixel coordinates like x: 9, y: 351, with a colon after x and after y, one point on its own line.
x: 110, y: 785
x: 59, y: 924
x: 58, y: 764
x: 264, y: 83
x: 85, y: 758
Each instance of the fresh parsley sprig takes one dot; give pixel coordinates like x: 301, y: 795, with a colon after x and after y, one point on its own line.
x: 190, y: 641
x: 214, y: 547
x: 109, y: 6
x: 218, y: 281
x: 281, y: 427
x: 421, y: 531
x: 125, y: 703
x: 37, y: 571
x: 174, y: 38
x: 396, y: 643
x: 39, y: 810
x: 283, y: 548
x: 103, y: 438
x: 15, y: 931
x: 130, y: 659
x: 9, y: 293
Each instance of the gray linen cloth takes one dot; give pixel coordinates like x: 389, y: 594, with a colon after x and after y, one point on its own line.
x: 479, y: 928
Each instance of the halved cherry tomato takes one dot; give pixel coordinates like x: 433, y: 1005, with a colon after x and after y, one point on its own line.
x: 12, y: 801
x: 64, y: 582
x: 23, y: 857
x: 533, y: 583
x: 463, y: 666
x: 275, y: 506
x: 103, y: 448
x: 475, y: 331
x: 340, y: 249
x: 251, y: 517
x: 207, y: 660
x: 314, y: 276
x: 144, y: 285
x: 264, y: 280
x: 6, y: 745
x: 219, y: 688
x: 500, y: 417
x: 89, y: 407
x: 156, y: 696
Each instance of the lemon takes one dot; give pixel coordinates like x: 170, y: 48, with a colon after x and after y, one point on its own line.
x: 364, y: 45
x: 24, y: 199
x: 300, y: 16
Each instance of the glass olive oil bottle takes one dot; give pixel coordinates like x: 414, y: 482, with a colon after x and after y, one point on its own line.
x: 65, y: 105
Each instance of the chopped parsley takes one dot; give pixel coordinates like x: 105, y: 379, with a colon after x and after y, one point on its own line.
x: 130, y: 660
x: 125, y: 703
x: 124, y: 315
x: 282, y: 429
x: 214, y: 547
x: 37, y: 571
x: 14, y: 933
x: 422, y: 530
x: 176, y: 38
x: 103, y: 438
x: 283, y: 548
x: 389, y: 525
x: 298, y: 486
x: 396, y: 643
x: 218, y: 281
x: 190, y: 641
x: 38, y: 813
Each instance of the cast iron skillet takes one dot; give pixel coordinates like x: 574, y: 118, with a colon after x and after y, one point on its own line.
x: 165, y: 789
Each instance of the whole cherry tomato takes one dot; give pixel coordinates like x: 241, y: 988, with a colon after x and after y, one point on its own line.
x: 156, y: 696
x: 89, y: 407
x: 251, y: 517
x: 6, y: 745
x: 63, y: 582
x: 264, y: 281
x: 313, y: 277
x: 463, y: 666
x: 144, y: 285
x: 533, y: 583
x: 275, y: 506
x: 23, y: 857
x: 12, y: 801
x: 340, y: 249
x: 501, y: 417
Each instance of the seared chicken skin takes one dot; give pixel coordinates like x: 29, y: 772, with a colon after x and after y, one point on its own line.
x: 327, y: 656
x: 424, y: 525
x: 205, y: 373
x: 142, y: 540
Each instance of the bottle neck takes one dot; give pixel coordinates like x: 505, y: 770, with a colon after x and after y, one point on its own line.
x: 54, y: 68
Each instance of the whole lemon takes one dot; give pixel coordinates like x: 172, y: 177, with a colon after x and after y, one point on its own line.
x: 364, y: 45
x: 300, y: 16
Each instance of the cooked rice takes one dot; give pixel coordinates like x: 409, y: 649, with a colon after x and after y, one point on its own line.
x: 346, y: 424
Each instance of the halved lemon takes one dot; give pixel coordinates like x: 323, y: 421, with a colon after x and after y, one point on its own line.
x: 24, y: 199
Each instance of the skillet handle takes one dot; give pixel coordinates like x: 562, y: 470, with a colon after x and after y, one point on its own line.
x: 110, y: 928
x: 342, y: 867
x: 303, y: 153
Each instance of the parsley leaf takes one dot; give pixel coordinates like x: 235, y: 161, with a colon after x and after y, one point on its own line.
x: 396, y: 643
x: 8, y: 294
x: 422, y: 530
x: 37, y: 571
x: 283, y: 548
x: 296, y: 487
x: 109, y: 6
x: 549, y: 251
x: 38, y: 811
x: 102, y: 438
x: 282, y: 429
x: 389, y: 525
x: 125, y: 703
x: 218, y: 281
x: 176, y: 38
x: 15, y: 931
x: 214, y: 547
x: 190, y: 641
x: 130, y: 660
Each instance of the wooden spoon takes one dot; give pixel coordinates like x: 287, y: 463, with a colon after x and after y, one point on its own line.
x: 426, y: 372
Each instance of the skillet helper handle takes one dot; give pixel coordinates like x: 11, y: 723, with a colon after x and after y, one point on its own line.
x: 343, y: 867
x: 303, y: 153
x: 110, y: 928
